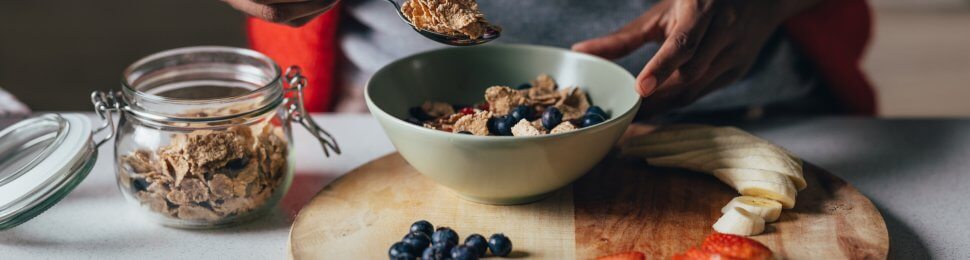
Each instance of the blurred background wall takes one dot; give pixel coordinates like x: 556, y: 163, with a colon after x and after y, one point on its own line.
x: 920, y: 59
x: 53, y: 53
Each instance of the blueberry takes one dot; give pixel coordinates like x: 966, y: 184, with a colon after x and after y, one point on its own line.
x: 491, y: 125
x: 399, y: 249
x: 598, y: 111
x: 237, y: 164
x: 465, y: 132
x: 422, y: 226
x: 417, y: 240
x: 418, y: 113
x: 500, y: 245
x: 551, y: 118
x: 437, y: 252
x: 429, y: 254
x: 140, y: 184
x: 503, y: 125
x: 523, y: 86
x: 592, y: 119
x: 463, y: 252
x: 403, y: 256
x: 521, y: 112
x: 444, y: 235
x: 478, y: 243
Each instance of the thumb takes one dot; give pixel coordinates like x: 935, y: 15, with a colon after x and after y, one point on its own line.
x: 624, y: 41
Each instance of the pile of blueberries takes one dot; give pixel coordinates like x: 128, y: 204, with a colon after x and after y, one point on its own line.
x: 443, y: 244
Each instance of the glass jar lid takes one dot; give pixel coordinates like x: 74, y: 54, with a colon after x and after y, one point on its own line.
x: 42, y: 159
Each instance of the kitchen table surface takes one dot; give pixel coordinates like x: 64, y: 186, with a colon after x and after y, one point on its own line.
x: 914, y: 170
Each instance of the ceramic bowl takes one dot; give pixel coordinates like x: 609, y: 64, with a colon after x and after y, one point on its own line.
x: 499, y: 169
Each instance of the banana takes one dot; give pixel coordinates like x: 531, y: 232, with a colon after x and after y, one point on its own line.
x: 767, y: 209
x: 759, y: 162
x: 760, y: 183
x: 739, y: 221
x: 767, y: 175
x: 665, y: 149
x: 739, y: 150
x: 696, y: 133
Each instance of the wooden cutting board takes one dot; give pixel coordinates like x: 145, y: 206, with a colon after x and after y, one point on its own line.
x: 621, y: 205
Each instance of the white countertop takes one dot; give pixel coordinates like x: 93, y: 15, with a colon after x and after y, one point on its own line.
x: 915, y: 171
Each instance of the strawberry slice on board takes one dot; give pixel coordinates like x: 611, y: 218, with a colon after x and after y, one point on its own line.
x: 701, y: 254
x: 736, y: 247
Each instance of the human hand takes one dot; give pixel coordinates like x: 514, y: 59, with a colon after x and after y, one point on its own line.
x: 706, y: 44
x: 288, y: 12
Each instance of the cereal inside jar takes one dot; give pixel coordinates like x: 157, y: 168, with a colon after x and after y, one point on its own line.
x: 204, y: 138
x: 209, y: 175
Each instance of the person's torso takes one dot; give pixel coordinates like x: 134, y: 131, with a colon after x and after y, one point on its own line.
x: 372, y: 35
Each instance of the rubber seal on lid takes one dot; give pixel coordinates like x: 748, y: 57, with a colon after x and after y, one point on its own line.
x: 41, y: 160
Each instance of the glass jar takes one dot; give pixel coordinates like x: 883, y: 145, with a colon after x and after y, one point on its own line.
x: 203, y: 136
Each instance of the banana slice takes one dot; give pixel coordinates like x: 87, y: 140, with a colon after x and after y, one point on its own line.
x: 760, y: 183
x: 767, y: 209
x: 738, y: 221
x: 683, y: 135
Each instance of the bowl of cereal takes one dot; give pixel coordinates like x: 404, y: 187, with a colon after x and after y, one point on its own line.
x: 503, y: 124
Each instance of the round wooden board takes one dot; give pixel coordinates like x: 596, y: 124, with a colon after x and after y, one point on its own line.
x: 621, y: 205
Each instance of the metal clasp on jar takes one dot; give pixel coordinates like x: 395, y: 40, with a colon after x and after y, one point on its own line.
x: 297, y: 110
x: 106, y: 103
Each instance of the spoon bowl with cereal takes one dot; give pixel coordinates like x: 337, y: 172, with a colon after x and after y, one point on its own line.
x: 451, y: 22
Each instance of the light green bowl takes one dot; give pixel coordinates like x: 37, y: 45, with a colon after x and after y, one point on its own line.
x: 499, y: 169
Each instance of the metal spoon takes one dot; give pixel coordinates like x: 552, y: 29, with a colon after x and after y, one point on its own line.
x: 491, y: 33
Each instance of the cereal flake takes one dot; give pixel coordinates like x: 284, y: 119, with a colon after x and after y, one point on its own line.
x: 573, y: 104
x: 563, y: 127
x: 501, y: 99
x: 525, y: 128
x: 476, y: 123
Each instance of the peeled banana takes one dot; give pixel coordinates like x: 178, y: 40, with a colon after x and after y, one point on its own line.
x: 781, y: 165
x: 734, y: 150
x: 768, y: 176
x: 684, y: 134
x: 665, y: 149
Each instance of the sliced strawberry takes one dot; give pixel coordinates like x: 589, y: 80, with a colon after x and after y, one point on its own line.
x: 701, y: 254
x: 736, y: 246
x: 624, y: 256
x: 467, y: 111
